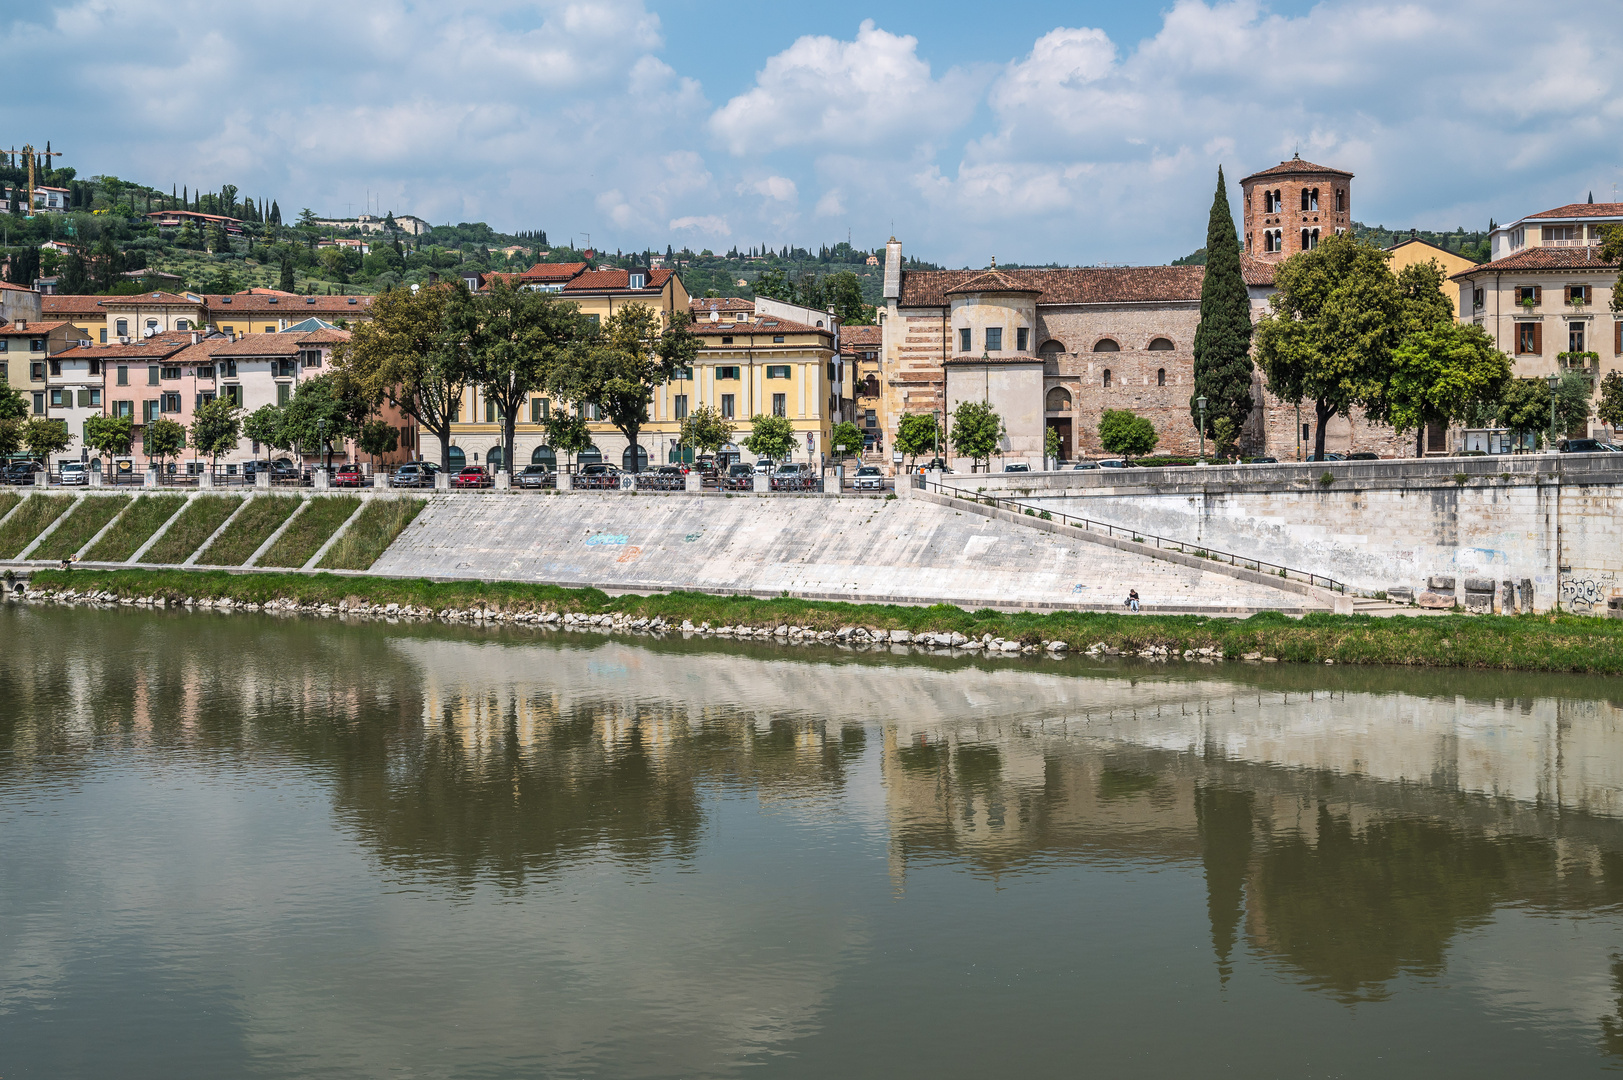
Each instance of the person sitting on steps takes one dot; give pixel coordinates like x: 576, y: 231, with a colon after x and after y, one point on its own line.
x: 1132, y: 600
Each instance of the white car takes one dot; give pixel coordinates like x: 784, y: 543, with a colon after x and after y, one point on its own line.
x: 868, y: 478
x: 764, y: 467
x: 73, y: 472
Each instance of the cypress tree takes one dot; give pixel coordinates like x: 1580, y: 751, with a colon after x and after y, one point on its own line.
x: 1223, y: 339
x: 286, y: 283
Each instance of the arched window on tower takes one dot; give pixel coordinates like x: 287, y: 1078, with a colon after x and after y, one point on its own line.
x: 1305, y: 244
x: 1310, y: 199
x: 1160, y: 376
x: 1107, y: 378
x: 1341, y: 200
x: 1106, y: 345
x: 1160, y: 344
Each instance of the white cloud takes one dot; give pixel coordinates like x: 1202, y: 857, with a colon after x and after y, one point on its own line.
x: 832, y: 204
x: 709, y: 225
x: 776, y: 188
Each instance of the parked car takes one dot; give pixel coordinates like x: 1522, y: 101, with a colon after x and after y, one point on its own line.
x: 472, y: 476
x: 868, y: 478
x: 740, y: 477
x: 1325, y: 457
x: 764, y: 466
x: 22, y: 472
x: 1085, y: 465
x: 1565, y: 446
x: 348, y: 476
x: 794, y: 476
x: 414, y: 474
x: 1112, y: 463
x: 1362, y: 455
x: 1017, y: 466
x: 599, y: 475
x: 934, y: 465
x: 706, y: 464
x: 73, y: 472
x: 667, y: 478
x: 536, y: 476
x: 1264, y: 460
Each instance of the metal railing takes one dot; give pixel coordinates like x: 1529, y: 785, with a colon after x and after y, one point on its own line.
x: 1138, y: 536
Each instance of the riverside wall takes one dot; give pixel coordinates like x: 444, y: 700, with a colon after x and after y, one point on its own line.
x: 1549, y: 519
x: 905, y: 551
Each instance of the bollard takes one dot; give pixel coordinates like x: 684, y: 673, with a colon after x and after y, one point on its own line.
x: 504, y: 480
x: 442, y: 480
x: 760, y: 482
x: 694, y: 481
x: 94, y: 478
x: 151, y: 480
x: 566, y: 481
x: 205, y: 480
x: 42, y: 479
x: 262, y: 479
x: 380, y: 480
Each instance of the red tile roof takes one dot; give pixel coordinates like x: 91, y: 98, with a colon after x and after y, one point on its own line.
x: 1297, y: 165
x: 74, y: 305
x: 156, y: 347
x: 993, y: 281
x: 260, y: 345
x: 1581, y: 210
x: 553, y: 271
x: 614, y: 281
x: 700, y: 304
x: 32, y: 329
x: 1082, y: 285
x: 860, y: 337
x: 769, y: 324
x: 14, y: 288
x: 324, y: 337
x: 158, y: 299
x: 1543, y: 258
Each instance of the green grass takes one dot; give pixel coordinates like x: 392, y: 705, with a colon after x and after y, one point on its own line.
x: 137, y: 525
x: 194, y: 526
x: 310, y: 530
x: 250, y: 529
x: 372, y: 533
x: 1548, y: 643
x: 29, y: 521
x: 86, y: 521
x: 8, y: 499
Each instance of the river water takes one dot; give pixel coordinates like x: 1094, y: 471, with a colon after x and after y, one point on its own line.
x: 238, y: 845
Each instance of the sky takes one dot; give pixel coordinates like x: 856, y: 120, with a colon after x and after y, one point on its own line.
x: 1078, y: 133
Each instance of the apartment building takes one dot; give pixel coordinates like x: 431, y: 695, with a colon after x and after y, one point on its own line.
x: 138, y: 378
x: 27, y: 353
x: 106, y: 319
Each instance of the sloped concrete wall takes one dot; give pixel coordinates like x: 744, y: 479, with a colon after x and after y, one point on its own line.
x: 895, y: 551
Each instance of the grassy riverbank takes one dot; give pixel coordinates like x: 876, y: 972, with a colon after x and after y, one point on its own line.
x: 1558, y: 643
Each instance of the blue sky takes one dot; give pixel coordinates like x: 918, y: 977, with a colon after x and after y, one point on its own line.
x: 1073, y: 132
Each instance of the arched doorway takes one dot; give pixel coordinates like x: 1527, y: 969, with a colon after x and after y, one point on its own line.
x: 635, y: 459
x: 1059, y: 402
x: 545, y: 455
x: 589, y: 456
x: 494, y: 458
x: 456, y: 459
x: 1106, y: 345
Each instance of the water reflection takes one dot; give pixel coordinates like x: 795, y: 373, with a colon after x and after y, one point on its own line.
x: 1361, y: 836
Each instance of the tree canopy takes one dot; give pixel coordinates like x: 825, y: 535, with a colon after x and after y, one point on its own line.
x: 977, y: 430
x: 216, y: 426
x: 917, y: 433
x: 1441, y: 375
x: 1223, y: 338
x: 706, y: 430
x: 1124, y: 432
x: 771, y: 437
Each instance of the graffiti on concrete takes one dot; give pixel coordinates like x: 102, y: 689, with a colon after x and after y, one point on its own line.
x: 1475, y: 557
x: 601, y: 539
x: 1584, y: 595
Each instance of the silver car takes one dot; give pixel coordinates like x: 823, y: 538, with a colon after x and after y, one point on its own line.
x: 868, y: 478
x: 73, y: 472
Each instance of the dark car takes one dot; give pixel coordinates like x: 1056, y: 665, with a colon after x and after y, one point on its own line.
x: 22, y: 472
x: 414, y: 474
x: 868, y: 478
x: 1583, y: 446
x: 794, y: 476
x: 1085, y: 465
x: 1325, y: 457
x: 1362, y: 455
x: 536, y: 476
x: 348, y: 476
x: 472, y: 476
x: 1017, y: 466
x: 1112, y: 463
x: 740, y: 477
x: 599, y: 475
x: 1264, y: 460
x: 934, y: 465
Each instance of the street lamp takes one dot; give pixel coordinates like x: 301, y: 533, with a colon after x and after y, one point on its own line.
x: 1200, y: 403
x: 321, y: 437
x: 1554, y: 381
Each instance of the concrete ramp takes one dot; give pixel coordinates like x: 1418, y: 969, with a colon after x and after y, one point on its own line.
x: 907, y: 551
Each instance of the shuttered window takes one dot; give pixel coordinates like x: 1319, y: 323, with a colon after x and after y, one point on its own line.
x: 1529, y: 338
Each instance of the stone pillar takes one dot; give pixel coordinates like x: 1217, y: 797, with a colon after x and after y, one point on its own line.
x: 761, y: 482
x: 442, y: 481
x: 565, y: 481
x: 628, y: 483
x: 205, y: 480
x: 1507, y: 597
x: 262, y: 479
x: 93, y: 477
x: 319, y: 479
x: 694, y: 481
x: 42, y: 478
x: 380, y: 480
x: 932, y: 478
x: 504, y: 480
x: 1524, y: 596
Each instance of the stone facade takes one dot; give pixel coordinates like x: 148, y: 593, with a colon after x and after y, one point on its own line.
x: 1290, y: 206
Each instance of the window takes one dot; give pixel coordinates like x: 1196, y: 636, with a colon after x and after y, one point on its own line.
x: 593, y: 319
x: 871, y: 419
x: 637, y: 281
x: 152, y: 375
x: 284, y: 393
x: 152, y: 326
x: 1529, y: 294
x: 270, y: 329
x: 232, y: 330
x: 994, y: 339
x: 1160, y: 376
x: 36, y: 344
x: 1022, y: 339
x: 233, y: 394
x: 679, y: 407
x: 39, y: 404
x: 1107, y: 378
x: 1577, y: 294
x: 777, y: 339
x: 1306, y: 242
x: 1310, y: 199
x: 683, y: 374
x: 95, y: 367
x: 964, y: 344
x: 1160, y: 344
x: 490, y: 411
x: 1529, y: 338
x: 727, y: 406
x: 56, y: 368
x: 171, y: 403
x: 1106, y: 345
x: 283, y: 369
x: 123, y: 326
x: 1476, y: 299
x: 104, y: 335
x: 60, y: 397
x: 726, y: 340
x: 1563, y: 235
x: 1341, y: 200
x: 205, y: 371
x: 1575, y: 337
x: 540, y: 409
x: 780, y: 404
x: 149, y: 411
x: 593, y: 412
x: 182, y: 324
x: 727, y: 371
x: 310, y: 357
x: 231, y: 369
x: 1059, y: 400
x: 90, y: 399
x: 777, y: 371
x: 124, y: 408
x: 171, y: 372
x: 1617, y: 337
x: 36, y: 371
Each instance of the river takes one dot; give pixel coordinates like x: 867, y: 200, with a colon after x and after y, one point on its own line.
x: 244, y: 845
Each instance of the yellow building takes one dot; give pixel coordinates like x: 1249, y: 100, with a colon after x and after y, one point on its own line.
x: 1410, y: 252
x: 26, y: 349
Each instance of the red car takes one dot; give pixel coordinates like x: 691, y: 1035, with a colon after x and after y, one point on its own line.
x: 347, y: 476
x: 474, y: 476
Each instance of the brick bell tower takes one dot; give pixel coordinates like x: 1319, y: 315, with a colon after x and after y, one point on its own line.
x: 1291, y: 206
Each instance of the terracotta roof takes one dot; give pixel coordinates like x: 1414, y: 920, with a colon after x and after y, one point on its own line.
x: 204, y: 351
x: 553, y: 271
x: 159, y: 299
x: 614, y: 280
x: 14, y: 288
x: 1258, y: 273
x: 1017, y: 358
x: 323, y: 337
x: 720, y: 303
x: 260, y: 345
x: 76, y: 305
x: 931, y: 288
x: 1296, y: 165
x: 292, y: 306
x: 769, y: 324
x: 1543, y: 258
x: 156, y: 347
x: 1580, y: 210
x: 993, y: 281
x: 32, y: 329
x: 860, y: 337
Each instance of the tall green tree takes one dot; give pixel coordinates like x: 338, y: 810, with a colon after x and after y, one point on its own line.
x: 1223, y: 337
x: 1611, y: 251
x: 45, y: 436
x: 1441, y: 375
x: 216, y: 427
x: 771, y: 437
x: 567, y: 431
x: 775, y: 285
x: 13, y: 414
x: 164, y: 440
x: 378, y: 437
x: 75, y: 279
x: 324, y: 410
x: 110, y: 435
x: 264, y: 427
x: 620, y: 368
x: 1124, y: 432
x: 285, y: 283
x: 408, y: 356
x: 1524, y: 406
x: 846, y: 439
x: 1332, y: 325
x: 516, y: 339
x: 705, y: 430
x: 1609, y: 411
x: 918, y: 433
x: 977, y: 431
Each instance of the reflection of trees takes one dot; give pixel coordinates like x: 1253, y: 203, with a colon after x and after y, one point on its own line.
x: 1225, y: 832
x: 1611, y: 1027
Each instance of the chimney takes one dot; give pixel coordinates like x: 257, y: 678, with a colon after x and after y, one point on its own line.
x: 22, y: 324
x: 196, y: 337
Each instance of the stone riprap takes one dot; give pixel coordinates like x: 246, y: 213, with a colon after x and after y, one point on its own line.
x: 909, y: 551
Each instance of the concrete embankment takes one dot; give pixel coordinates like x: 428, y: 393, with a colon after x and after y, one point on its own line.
x: 907, y: 551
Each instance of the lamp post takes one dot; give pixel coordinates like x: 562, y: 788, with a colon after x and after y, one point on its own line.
x: 321, y: 437
x: 1298, y: 429
x: 1554, y: 381
x: 1200, y: 403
